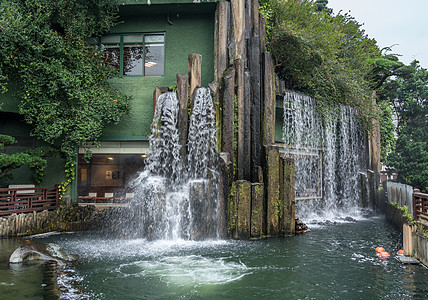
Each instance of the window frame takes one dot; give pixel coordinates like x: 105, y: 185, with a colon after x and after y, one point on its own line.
x: 142, y: 42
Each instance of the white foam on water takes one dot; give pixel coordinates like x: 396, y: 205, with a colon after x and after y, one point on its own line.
x: 191, y: 270
x: 90, y: 248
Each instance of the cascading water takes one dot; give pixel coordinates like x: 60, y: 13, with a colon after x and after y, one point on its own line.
x: 202, y: 162
x: 329, y: 158
x: 176, y: 198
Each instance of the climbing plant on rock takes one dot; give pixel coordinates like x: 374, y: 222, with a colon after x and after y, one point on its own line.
x: 64, y: 90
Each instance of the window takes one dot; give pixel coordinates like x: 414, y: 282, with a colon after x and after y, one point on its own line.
x: 135, y: 54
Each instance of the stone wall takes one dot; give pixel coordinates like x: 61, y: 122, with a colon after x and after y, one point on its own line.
x: 415, y: 244
x: 64, y: 218
x: 395, y: 217
x: 258, y: 190
x: 26, y: 223
x: 420, y: 248
x: 399, y: 193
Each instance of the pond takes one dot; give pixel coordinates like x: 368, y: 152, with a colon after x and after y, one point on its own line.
x: 334, y: 261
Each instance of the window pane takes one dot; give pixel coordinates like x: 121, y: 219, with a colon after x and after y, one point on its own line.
x: 111, y: 55
x: 110, y: 39
x: 154, y: 60
x: 154, y: 38
x: 133, y: 38
x: 133, y: 60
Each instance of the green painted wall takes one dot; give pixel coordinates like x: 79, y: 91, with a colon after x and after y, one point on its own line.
x: 9, y: 101
x: 191, y: 31
x: 12, y: 124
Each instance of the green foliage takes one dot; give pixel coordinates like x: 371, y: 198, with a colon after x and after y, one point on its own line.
x: 409, y: 95
x: 328, y: 57
x: 268, y: 14
x: 422, y: 230
x: 64, y: 88
x: 387, y: 128
x: 404, y: 212
x: 322, y: 5
x: 34, y: 158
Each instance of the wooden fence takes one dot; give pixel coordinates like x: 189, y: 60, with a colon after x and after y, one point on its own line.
x: 420, y: 208
x: 28, y: 199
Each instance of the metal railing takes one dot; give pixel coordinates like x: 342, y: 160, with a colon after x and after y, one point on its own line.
x: 22, y: 200
x: 420, y: 208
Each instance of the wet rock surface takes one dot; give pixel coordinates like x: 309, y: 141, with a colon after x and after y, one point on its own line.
x: 32, y: 251
x: 301, y: 227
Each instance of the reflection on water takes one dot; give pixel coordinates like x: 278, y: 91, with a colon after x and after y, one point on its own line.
x: 331, y: 262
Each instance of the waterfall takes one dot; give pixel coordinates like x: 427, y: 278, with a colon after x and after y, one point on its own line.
x: 175, y: 197
x: 329, y: 158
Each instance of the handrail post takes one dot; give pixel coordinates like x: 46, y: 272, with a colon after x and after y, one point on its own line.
x: 30, y: 201
x: 56, y: 195
x: 415, y: 212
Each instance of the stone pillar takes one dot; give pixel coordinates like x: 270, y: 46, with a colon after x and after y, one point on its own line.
x: 157, y: 92
x: 238, y: 12
x: 255, y: 18
x: 221, y: 30
x: 243, y: 201
x: 194, y: 67
x: 255, y: 108
x: 257, y: 209
x: 288, y: 223
x: 225, y: 177
x: 239, y: 82
x: 408, y: 231
x: 182, y: 94
x: 364, y: 191
x: 247, y: 126
x: 228, y: 129
x: 262, y: 32
x: 240, y: 210
x: 272, y: 190
x: 214, y: 90
x: 197, y: 198
x: 269, y: 101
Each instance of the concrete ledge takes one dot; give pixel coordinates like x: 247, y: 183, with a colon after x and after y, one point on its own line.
x: 100, y: 206
x: 420, y: 247
x: 407, y: 260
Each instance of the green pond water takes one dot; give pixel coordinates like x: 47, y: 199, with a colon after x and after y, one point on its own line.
x: 330, y: 262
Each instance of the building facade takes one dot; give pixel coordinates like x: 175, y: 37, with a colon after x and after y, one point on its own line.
x: 149, y: 46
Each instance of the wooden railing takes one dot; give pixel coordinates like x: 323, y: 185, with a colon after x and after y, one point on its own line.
x: 21, y: 200
x: 420, y: 208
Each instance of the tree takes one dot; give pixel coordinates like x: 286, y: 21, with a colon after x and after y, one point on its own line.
x: 387, y: 129
x: 65, y: 94
x: 322, y: 5
x: 34, y: 158
x: 325, y: 56
x: 64, y: 90
x: 409, y: 96
x: 330, y: 58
